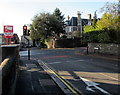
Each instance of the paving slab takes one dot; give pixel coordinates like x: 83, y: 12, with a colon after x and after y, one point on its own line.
x: 33, y: 80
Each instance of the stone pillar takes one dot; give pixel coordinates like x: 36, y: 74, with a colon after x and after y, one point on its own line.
x: 89, y: 19
x: 0, y: 70
x: 0, y: 54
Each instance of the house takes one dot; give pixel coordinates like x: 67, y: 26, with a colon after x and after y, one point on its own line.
x: 77, y: 24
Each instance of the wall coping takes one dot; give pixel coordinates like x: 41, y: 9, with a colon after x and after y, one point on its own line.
x: 15, y: 45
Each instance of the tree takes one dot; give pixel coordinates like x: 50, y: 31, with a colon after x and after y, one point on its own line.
x: 89, y: 28
x: 75, y: 34
x: 60, y: 18
x: 45, y: 26
x: 94, y: 20
x: 110, y: 8
x: 107, y: 28
x: 110, y: 21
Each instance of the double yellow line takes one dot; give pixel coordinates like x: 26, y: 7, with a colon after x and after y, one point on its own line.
x: 73, y: 89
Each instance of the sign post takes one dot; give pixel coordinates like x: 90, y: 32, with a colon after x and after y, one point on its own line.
x: 8, y: 32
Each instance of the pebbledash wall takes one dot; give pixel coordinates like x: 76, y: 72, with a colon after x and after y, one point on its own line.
x: 103, y: 48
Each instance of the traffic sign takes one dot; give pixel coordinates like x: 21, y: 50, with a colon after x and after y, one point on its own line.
x: 8, y: 31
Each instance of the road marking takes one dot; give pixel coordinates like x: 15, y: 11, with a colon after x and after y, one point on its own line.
x: 65, y: 61
x: 48, y: 69
x: 80, y: 60
x: 109, y: 76
x: 31, y: 65
x: 93, y: 84
x: 54, y: 63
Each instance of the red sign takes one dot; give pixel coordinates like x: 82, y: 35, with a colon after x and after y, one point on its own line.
x: 8, y: 31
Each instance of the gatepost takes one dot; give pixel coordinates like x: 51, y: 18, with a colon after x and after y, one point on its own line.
x: 0, y: 70
x: 0, y: 65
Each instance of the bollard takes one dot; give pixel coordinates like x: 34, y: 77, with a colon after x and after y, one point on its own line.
x: 28, y: 53
x: 87, y: 49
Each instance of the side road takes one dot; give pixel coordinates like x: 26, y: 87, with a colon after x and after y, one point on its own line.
x: 33, y: 80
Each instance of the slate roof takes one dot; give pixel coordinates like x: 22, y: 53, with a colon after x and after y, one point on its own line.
x: 73, y: 22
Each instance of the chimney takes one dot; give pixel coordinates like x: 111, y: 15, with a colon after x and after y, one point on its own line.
x: 79, y: 18
x: 89, y: 16
x: 89, y: 19
x: 79, y: 14
x: 68, y: 17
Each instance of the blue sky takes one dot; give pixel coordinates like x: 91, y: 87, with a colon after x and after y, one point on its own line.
x: 20, y: 12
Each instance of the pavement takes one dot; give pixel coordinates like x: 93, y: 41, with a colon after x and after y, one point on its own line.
x: 33, y: 80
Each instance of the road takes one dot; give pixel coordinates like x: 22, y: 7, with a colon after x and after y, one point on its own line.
x: 89, y: 74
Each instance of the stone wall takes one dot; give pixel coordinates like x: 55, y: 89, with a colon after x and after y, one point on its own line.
x: 103, y: 48
x: 0, y: 54
x: 0, y: 70
x: 8, y: 67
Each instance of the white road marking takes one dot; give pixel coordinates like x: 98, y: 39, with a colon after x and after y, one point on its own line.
x: 31, y: 65
x: 75, y: 61
x: 90, y: 83
x: 25, y: 53
x: 65, y: 61
x: 54, y: 63
x: 80, y: 60
x: 89, y: 89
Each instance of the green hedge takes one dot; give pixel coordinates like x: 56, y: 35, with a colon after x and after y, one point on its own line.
x: 103, y: 36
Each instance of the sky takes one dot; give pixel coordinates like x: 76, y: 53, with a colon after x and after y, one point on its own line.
x: 21, y: 12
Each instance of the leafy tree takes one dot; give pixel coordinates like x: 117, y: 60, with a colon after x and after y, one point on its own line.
x: 107, y: 28
x: 103, y: 37
x: 88, y: 28
x: 45, y: 26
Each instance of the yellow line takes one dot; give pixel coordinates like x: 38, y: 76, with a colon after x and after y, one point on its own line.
x: 76, y: 93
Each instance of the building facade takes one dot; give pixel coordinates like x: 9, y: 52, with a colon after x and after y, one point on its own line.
x: 77, y: 24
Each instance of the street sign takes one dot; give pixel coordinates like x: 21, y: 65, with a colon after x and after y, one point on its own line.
x: 8, y: 31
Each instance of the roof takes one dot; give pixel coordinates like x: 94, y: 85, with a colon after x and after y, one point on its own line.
x: 73, y: 22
